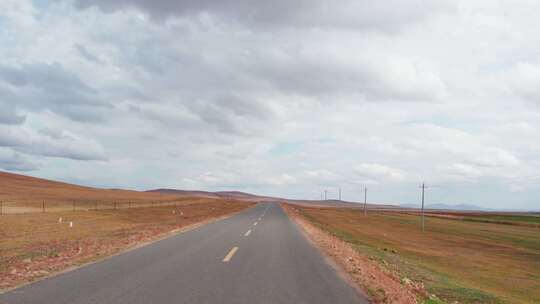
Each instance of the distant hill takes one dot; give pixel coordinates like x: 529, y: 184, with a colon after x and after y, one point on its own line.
x: 31, y: 190
x: 237, y: 195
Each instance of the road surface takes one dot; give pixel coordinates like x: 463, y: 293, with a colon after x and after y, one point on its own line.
x: 257, y: 256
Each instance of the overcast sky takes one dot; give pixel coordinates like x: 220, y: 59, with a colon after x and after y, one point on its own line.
x: 282, y: 98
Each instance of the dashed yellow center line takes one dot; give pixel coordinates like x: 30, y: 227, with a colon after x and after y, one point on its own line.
x: 248, y: 232
x: 229, y: 255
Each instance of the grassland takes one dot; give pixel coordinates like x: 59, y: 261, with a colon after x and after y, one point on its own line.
x: 19, y: 194
x: 464, y: 261
x: 509, y: 219
x: 33, y: 245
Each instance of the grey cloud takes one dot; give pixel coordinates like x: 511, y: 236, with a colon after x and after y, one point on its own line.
x: 209, y: 76
x: 176, y: 117
x: 189, y: 65
x: 244, y: 106
x: 387, y: 15
x: 322, y: 74
x: 9, y: 115
x: 12, y: 161
x: 84, y: 52
x: 50, y: 143
x: 228, y: 82
x: 50, y: 87
x: 226, y: 115
x: 191, y: 117
x: 231, y: 113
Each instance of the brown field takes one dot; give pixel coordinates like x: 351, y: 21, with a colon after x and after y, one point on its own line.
x: 464, y: 261
x: 34, y: 245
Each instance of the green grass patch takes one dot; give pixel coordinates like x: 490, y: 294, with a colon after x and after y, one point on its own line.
x: 433, y: 301
x: 513, y: 218
x: 464, y: 295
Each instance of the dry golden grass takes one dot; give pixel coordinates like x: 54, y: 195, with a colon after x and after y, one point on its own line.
x: 465, y: 261
x: 34, y: 245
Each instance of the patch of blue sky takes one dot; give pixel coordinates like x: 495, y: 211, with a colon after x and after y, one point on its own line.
x: 41, y: 4
x: 286, y: 148
x: 441, y: 121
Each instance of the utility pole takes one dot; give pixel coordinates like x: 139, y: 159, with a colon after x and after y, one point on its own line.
x: 325, y: 195
x: 340, y: 193
x: 365, y: 200
x: 423, y: 192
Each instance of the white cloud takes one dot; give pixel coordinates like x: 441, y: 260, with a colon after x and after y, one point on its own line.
x: 524, y: 78
x: 379, y: 173
x: 205, y: 95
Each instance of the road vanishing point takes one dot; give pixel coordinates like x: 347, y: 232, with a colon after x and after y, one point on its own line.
x: 256, y: 256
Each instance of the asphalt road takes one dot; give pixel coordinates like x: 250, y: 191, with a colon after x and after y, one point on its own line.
x: 257, y: 256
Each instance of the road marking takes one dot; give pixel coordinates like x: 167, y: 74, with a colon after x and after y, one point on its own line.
x: 265, y: 210
x: 248, y: 232
x: 229, y: 255
x: 255, y: 224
